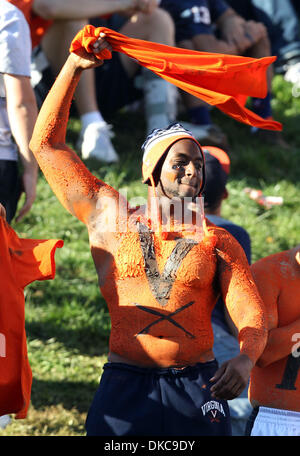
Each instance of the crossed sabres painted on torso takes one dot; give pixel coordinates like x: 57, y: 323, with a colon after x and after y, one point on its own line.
x: 161, y: 284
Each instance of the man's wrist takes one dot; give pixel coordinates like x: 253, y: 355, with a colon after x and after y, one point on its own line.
x: 72, y: 64
x: 247, y: 359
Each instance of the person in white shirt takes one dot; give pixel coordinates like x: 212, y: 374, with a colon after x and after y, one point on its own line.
x: 18, y: 112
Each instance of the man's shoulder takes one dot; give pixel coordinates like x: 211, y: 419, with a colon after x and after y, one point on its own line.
x: 13, y: 26
x: 217, y: 230
x: 10, y: 12
x: 237, y: 231
x: 279, y: 263
x: 225, y: 241
x: 225, y: 224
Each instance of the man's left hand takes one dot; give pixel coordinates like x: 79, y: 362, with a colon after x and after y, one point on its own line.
x: 231, y: 378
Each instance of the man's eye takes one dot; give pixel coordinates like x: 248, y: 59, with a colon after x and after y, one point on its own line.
x: 177, y: 165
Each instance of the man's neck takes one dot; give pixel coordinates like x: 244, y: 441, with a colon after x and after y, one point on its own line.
x: 216, y: 211
x: 175, y: 213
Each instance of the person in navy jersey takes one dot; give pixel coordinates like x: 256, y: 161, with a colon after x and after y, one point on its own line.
x: 214, y: 26
x: 281, y: 18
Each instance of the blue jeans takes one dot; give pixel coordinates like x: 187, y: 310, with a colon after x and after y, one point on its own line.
x: 226, y: 347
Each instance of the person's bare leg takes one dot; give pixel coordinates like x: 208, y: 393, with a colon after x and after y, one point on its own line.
x: 157, y: 27
x: 56, y: 45
x: 76, y: 9
x: 199, y: 112
x: 95, y: 136
x: 160, y: 98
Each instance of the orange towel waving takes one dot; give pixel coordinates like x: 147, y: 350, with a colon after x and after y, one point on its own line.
x: 22, y: 262
x: 217, y: 79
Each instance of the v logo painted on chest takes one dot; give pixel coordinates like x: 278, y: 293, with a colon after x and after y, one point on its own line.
x: 161, y: 284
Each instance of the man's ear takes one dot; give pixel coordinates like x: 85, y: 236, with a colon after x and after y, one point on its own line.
x: 225, y: 194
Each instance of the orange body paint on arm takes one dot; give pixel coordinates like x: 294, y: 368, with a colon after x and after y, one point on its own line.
x: 241, y: 297
x: 76, y: 188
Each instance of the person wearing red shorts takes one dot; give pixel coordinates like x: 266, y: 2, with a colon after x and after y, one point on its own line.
x: 161, y: 268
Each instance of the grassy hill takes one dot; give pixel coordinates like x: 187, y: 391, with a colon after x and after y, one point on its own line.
x: 67, y: 322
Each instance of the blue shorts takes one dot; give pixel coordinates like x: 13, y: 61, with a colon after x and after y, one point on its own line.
x: 134, y: 401
x: 193, y: 17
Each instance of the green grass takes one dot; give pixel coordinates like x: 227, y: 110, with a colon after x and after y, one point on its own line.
x: 67, y: 322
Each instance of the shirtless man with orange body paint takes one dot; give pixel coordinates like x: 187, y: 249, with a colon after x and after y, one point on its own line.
x: 275, y: 381
x: 160, y: 284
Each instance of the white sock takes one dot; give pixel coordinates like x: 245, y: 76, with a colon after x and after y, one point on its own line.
x: 156, y: 98
x: 91, y: 117
x: 172, y: 102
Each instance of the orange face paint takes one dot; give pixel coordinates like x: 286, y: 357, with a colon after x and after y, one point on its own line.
x: 170, y: 176
x: 275, y: 381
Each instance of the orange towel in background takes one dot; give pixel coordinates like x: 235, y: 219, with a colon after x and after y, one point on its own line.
x: 218, y: 79
x: 22, y: 261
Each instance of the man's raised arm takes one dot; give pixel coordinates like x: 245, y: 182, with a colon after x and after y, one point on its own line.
x: 76, y: 188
